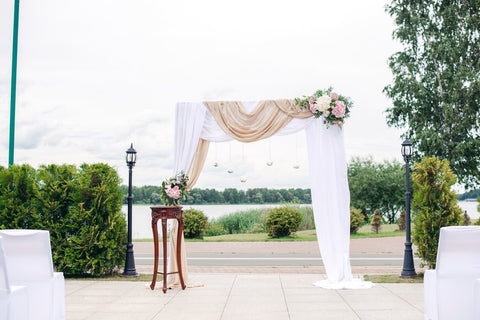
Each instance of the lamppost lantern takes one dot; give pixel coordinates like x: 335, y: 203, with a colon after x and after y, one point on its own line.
x: 129, y: 270
x: 131, y: 157
x: 408, y: 270
x: 406, y: 149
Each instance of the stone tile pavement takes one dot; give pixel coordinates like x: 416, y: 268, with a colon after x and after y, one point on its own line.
x: 241, y: 296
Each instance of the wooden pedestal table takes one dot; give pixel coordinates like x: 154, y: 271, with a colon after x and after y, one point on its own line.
x: 165, y: 213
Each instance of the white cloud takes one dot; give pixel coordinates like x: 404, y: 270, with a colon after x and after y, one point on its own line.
x: 94, y: 76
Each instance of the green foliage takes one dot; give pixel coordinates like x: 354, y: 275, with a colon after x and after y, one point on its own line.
x: 80, y: 208
x: 434, y: 206
x: 436, y: 88
x: 215, y: 229
x: 376, y: 221
x: 282, y: 221
x: 357, y: 219
x: 98, y: 245
x: 150, y: 195
x: 19, y: 198
x: 242, y: 221
x: 308, y: 220
x: 473, y: 194
x: 377, y: 185
x: 402, y: 221
x: 194, y: 223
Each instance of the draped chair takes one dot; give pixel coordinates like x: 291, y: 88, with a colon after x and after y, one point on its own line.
x: 13, y: 299
x: 29, y: 263
x: 452, y: 290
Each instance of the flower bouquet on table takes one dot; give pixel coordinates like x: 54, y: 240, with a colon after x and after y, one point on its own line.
x: 174, y: 189
x: 333, y: 107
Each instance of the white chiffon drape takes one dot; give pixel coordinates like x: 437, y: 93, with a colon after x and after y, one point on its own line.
x: 329, y: 183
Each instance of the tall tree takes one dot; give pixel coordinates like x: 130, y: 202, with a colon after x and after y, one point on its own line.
x: 436, y: 86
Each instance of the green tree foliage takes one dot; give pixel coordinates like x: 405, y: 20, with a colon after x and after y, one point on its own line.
x: 357, y: 219
x: 436, y: 87
x: 19, y: 198
x: 402, y: 221
x: 377, y: 185
x: 434, y: 206
x: 150, y: 195
x: 473, y: 194
x: 282, y: 221
x: 376, y: 221
x: 194, y: 223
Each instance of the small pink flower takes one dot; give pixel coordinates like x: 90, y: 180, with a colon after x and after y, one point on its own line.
x: 339, y: 109
x: 313, y: 107
x: 334, y: 96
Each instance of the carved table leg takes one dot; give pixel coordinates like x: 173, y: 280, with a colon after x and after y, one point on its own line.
x: 155, y: 244
x: 179, y: 253
x: 164, y: 235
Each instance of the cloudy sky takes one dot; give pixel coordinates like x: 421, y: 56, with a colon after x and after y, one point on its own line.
x: 96, y: 75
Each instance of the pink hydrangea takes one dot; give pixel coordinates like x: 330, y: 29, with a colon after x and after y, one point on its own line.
x: 339, y: 109
x: 173, y: 193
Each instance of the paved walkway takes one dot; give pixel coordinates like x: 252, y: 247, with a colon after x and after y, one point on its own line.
x: 249, y: 293
x: 242, y: 296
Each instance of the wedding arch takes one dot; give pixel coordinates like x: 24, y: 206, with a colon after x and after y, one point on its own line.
x: 197, y: 124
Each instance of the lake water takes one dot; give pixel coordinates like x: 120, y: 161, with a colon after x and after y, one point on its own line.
x: 141, y: 214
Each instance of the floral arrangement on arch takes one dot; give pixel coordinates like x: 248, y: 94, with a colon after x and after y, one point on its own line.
x: 333, y: 107
x: 174, y: 189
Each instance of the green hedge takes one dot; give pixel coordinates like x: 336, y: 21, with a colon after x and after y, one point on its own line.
x: 81, y: 207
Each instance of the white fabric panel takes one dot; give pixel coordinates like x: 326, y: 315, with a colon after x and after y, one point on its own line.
x: 450, y: 289
x: 29, y: 263
x: 189, y: 122
x: 331, y: 204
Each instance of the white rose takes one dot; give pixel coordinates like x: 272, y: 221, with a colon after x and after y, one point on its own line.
x: 323, y: 103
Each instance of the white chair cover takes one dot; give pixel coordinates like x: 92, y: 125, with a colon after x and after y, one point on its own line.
x: 13, y: 299
x: 450, y: 288
x: 29, y: 263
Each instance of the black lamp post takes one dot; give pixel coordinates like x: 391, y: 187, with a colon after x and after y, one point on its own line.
x: 408, y: 266
x: 129, y: 270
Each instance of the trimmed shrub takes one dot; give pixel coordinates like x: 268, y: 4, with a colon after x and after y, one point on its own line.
x: 357, y: 219
x: 434, y: 206
x: 97, y: 246
x: 282, y: 221
x: 194, y: 223
x: 376, y: 221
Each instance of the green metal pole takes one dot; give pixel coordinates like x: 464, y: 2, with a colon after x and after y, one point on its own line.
x: 14, y: 84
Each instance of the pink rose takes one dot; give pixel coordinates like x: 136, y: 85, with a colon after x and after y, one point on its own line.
x: 313, y: 107
x: 334, y: 96
x: 339, y: 109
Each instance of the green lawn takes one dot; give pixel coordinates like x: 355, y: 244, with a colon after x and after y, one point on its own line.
x: 388, y: 230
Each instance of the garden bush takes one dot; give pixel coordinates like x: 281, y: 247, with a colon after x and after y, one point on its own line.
x: 80, y: 207
x: 283, y: 221
x: 194, y: 223
x: 434, y: 206
x: 357, y: 219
